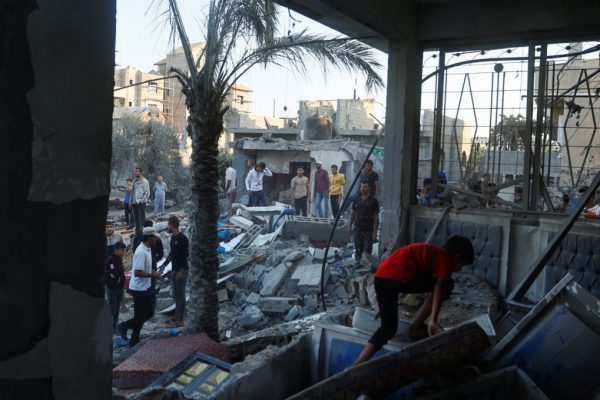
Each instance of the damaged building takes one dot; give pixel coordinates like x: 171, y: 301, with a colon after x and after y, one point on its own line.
x: 535, y: 326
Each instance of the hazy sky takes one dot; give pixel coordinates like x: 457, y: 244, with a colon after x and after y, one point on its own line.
x: 143, y: 39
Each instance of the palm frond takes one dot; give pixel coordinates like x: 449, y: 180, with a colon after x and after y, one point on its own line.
x: 301, y: 49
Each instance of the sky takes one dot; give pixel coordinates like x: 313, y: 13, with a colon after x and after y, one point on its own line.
x: 143, y: 38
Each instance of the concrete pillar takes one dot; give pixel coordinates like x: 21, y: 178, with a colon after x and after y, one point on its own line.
x: 401, y: 153
x: 57, y: 76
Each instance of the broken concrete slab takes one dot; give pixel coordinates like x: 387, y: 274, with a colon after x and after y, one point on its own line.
x: 250, y: 317
x: 222, y: 295
x: 364, y: 321
x: 294, y: 256
x: 273, y: 280
x: 319, y: 254
x: 316, y: 229
x: 276, y: 304
x: 241, y: 222
x: 253, y: 298
x: 309, y: 277
x: 295, y: 312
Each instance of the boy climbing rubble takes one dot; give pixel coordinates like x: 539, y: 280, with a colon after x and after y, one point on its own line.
x: 416, y: 268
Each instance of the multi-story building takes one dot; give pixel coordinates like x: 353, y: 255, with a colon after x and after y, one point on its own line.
x: 134, y: 88
x: 174, y: 107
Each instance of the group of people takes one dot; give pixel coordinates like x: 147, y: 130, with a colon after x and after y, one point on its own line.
x: 137, y: 194
x: 324, y: 187
x: 147, y: 251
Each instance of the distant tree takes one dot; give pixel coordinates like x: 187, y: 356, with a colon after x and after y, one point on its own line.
x: 509, y: 132
x: 154, y: 147
x: 238, y: 35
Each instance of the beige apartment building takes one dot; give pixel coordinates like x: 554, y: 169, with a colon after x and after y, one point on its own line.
x: 129, y: 93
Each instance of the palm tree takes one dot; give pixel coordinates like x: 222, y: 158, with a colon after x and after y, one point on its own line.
x: 239, y: 34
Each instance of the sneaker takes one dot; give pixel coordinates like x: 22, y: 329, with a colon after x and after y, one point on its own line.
x: 122, y: 330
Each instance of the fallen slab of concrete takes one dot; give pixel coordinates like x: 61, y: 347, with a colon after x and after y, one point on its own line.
x: 385, y: 375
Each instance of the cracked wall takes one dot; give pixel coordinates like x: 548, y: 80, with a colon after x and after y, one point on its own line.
x: 56, y: 72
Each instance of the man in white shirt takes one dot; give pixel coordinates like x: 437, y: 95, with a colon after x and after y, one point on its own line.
x: 140, y: 287
x: 254, y: 185
x: 230, y: 186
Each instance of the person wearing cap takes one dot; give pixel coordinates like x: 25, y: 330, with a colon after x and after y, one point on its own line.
x: 254, y: 185
x: 115, y: 280
x: 140, y: 287
x: 321, y: 191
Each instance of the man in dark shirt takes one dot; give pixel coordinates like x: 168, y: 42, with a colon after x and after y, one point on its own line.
x: 115, y: 280
x: 179, y: 259
x: 370, y: 175
x: 364, y: 220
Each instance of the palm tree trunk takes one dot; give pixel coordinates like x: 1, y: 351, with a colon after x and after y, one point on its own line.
x: 203, y: 307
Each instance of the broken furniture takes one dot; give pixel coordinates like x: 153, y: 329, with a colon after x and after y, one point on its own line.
x: 557, y: 343
x: 197, y: 377
x: 386, y: 374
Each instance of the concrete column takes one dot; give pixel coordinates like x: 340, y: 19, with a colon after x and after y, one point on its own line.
x: 401, y: 154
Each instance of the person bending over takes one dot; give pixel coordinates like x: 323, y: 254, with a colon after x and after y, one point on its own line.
x: 416, y: 268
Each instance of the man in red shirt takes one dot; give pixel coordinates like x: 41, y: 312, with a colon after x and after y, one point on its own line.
x: 416, y: 268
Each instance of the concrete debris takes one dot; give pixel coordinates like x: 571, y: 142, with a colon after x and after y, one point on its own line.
x: 276, y: 304
x: 222, y: 295
x: 253, y: 298
x: 250, y: 317
x: 273, y: 280
x: 309, y: 277
x: 294, y: 256
x: 295, y: 312
x: 413, y: 300
x: 241, y: 222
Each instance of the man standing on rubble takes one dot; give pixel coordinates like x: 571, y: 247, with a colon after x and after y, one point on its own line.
x: 140, y: 287
x: 230, y: 186
x: 300, y: 192
x: 115, y: 280
x: 254, y: 184
x: 416, y: 268
x: 336, y: 190
x: 179, y: 266
x: 321, y: 191
x: 160, y: 194
x: 364, y: 220
x: 140, y: 195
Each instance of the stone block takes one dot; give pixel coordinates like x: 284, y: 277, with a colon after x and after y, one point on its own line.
x: 276, y: 304
x: 309, y: 277
x: 222, y: 294
x: 253, y: 298
x: 241, y: 222
x: 294, y: 256
x: 294, y: 313
x: 273, y: 280
x: 250, y: 317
